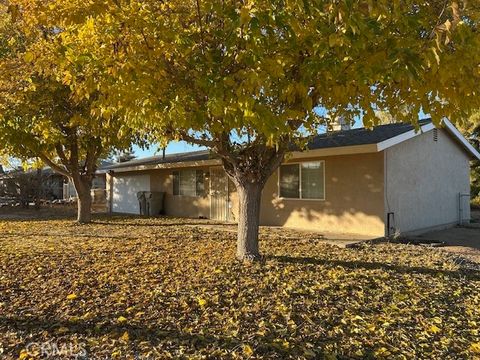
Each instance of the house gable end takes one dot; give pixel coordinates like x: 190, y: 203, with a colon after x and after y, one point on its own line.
x: 449, y: 128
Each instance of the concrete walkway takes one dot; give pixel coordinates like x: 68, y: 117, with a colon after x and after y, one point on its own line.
x: 463, y: 241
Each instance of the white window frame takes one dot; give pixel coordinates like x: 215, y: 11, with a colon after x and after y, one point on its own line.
x: 299, y: 163
x: 196, y: 193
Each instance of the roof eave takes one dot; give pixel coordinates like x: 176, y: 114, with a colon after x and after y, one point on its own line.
x: 184, y: 164
x: 335, y: 151
x: 332, y: 151
x: 447, y: 125
x: 474, y: 154
x: 383, y: 145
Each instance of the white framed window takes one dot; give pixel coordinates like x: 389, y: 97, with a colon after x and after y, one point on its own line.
x: 302, y: 180
x: 189, y: 182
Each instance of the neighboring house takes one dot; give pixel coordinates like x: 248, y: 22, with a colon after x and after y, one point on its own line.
x: 22, y: 183
x: 53, y: 186
x: 373, y: 182
x: 98, y: 184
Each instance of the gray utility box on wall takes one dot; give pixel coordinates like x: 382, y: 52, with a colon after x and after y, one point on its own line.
x: 154, y: 201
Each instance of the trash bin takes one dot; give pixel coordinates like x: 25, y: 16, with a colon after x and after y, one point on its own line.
x: 154, y: 200
x: 142, y: 202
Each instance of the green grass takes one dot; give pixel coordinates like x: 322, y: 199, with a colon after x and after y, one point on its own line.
x: 166, y: 289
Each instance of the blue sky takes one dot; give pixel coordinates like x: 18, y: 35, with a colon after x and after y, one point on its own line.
x: 180, y: 146
x: 173, y: 147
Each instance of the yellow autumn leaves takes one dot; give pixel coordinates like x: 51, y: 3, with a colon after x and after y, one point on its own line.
x: 71, y: 296
x: 168, y: 288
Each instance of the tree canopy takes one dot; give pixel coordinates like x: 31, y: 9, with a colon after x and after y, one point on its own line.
x: 250, y: 78
x: 42, y: 115
x: 258, y: 67
x: 471, y: 130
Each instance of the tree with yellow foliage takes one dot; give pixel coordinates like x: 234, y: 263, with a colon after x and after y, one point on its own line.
x: 245, y: 78
x: 471, y: 130
x: 42, y: 115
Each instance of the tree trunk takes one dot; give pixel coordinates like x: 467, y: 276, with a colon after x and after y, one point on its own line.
x: 38, y: 189
x: 84, y: 210
x: 83, y: 187
x: 249, y: 196
x: 249, y: 167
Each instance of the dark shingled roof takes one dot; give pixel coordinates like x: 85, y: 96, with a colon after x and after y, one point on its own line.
x: 360, y: 136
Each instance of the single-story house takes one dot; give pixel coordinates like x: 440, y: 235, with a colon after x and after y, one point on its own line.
x: 391, y: 179
x: 20, y: 183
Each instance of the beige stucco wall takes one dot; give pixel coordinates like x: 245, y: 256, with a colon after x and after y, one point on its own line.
x: 423, y: 180
x: 233, y: 202
x: 353, y: 205
x: 179, y: 205
x: 420, y: 185
x: 354, y: 198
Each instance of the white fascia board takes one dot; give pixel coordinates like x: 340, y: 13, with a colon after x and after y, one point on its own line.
x: 404, y: 137
x: 458, y: 135
x: 168, y: 166
x: 335, y: 151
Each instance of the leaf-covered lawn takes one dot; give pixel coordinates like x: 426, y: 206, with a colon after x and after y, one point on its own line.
x: 130, y: 288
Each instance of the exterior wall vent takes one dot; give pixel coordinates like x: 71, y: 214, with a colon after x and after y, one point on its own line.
x: 435, y: 135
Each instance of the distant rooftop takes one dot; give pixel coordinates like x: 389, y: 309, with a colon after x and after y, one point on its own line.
x: 168, y: 159
x: 360, y: 136
x: 103, y: 164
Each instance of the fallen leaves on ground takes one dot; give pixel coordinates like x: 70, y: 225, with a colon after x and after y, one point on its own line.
x: 170, y: 288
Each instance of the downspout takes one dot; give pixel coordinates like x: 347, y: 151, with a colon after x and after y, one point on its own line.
x: 461, y: 220
x: 390, y: 216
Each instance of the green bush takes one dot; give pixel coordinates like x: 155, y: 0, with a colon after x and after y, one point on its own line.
x: 475, y: 203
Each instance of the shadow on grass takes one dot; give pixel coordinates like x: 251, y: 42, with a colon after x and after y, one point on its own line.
x: 49, y: 330
x: 19, y: 219
x: 59, y: 212
x: 153, y: 224
x: 469, y: 274
x: 72, y: 236
x: 92, y: 327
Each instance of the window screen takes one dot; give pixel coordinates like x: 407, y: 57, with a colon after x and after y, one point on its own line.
x: 312, y: 180
x: 176, y: 183
x: 189, y: 183
x: 290, y: 181
x: 302, y: 181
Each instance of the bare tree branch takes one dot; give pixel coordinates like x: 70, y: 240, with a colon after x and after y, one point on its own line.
x: 194, y: 140
x: 55, y: 167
